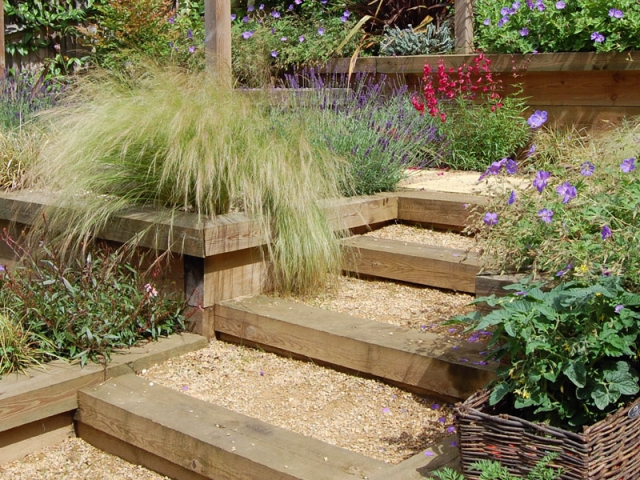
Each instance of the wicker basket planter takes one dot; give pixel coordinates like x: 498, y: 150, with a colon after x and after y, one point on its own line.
x: 609, y: 449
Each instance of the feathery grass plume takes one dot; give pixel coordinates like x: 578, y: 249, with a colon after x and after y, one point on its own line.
x: 180, y: 140
x: 18, y: 151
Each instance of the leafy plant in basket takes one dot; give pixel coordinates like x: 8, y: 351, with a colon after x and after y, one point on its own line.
x: 479, y: 123
x: 567, y: 354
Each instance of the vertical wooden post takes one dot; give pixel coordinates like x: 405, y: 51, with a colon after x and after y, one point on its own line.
x: 2, y: 49
x: 464, y: 26
x: 217, y: 41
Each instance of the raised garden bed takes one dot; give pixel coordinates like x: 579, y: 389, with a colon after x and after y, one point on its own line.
x: 583, y: 88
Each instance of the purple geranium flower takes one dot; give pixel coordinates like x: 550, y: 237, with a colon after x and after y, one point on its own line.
x: 560, y: 5
x: 545, y: 215
x: 628, y: 165
x: 290, y: 7
x: 297, y: 2
x: 605, y: 232
x: 540, y: 5
x: 247, y: 35
x: 504, y: 11
x: 567, y: 192
x: 618, y: 308
x: 586, y: 169
x: 275, y: 14
x: 189, y: 33
x: 301, y: 38
x: 532, y: 150
x: 233, y: 17
x: 192, y: 49
x: 346, y: 14
x: 250, y: 8
x: 512, y: 198
x: 245, y: 19
x: 502, y: 21
x: 524, y: 32
x: 171, y: 20
x: 597, y: 37
x: 487, y: 21
x: 261, y: 7
x: 495, y: 167
x: 511, y: 166
x: 615, y: 13
x: 283, y: 39
x: 321, y: 31
x: 274, y: 53
x: 560, y: 273
x: 537, y: 119
x: 490, y: 218
x: 541, y: 180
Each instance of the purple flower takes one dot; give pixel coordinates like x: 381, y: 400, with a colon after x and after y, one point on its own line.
x: 385, y: 410
x: 567, y: 192
x: 435, y: 406
x: 586, y: 169
x: 541, y: 180
x: 537, y: 119
x: 247, y: 35
x: 502, y: 21
x: 250, y: 8
x: 511, y: 166
x: 261, y: 7
x: 273, y: 31
x: 451, y: 429
x: 490, y: 218
x: 504, y: 11
x: 545, y: 215
x: 192, y: 49
x: 321, y: 31
x: 487, y: 21
x: 516, y: 5
x: 442, y: 420
x: 233, y: 17
x: 283, y: 39
x: 189, y: 33
x: 512, y: 198
x: 597, y: 37
x: 540, y: 5
x: 615, y: 13
x: 560, y: 5
x: 524, y: 32
x: 301, y: 38
x: 275, y: 14
x: 628, y: 165
x: 454, y: 443
x: 560, y: 273
x: 171, y: 20
x: 521, y: 293
x: 343, y: 19
x: 618, y: 308
x: 297, y: 2
x: 245, y: 19
x: 532, y: 150
x: 290, y: 7
x: 346, y: 14
x: 605, y: 232
x: 495, y: 167
x: 429, y: 453
x: 274, y: 53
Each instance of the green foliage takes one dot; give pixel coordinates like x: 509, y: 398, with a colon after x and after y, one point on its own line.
x: 80, y: 311
x: 552, y: 29
x: 431, y: 41
x: 588, y: 235
x: 374, y: 128
x: 568, y: 352
x: 266, y: 42
x: 492, y: 470
x: 183, y: 141
x: 476, y: 135
x: 126, y: 33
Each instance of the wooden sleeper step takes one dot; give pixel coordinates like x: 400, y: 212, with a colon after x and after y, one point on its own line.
x: 201, y: 438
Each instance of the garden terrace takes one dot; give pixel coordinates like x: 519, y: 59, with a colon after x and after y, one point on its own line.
x: 221, y: 264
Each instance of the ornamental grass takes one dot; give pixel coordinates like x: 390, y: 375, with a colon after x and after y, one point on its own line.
x: 168, y: 138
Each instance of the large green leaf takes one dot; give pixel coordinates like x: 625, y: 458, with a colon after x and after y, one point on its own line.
x: 577, y: 373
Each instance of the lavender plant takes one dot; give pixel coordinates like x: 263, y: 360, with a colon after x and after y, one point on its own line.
x: 374, y: 128
x: 557, y: 26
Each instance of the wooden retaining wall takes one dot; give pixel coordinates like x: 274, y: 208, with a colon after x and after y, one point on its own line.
x: 583, y: 89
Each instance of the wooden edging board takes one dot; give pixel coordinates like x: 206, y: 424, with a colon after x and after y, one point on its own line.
x: 202, y: 438
x: 33, y: 401
x: 428, y: 362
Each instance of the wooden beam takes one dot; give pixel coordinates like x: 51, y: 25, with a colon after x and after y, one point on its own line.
x: 217, y: 41
x: 212, y: 441
x: 438, y: 267
x: 49, y: 391
x: 463, y: 10
x: 448, y: 211
x: 419, y: 359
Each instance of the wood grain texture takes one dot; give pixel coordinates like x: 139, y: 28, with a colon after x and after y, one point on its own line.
x: 210, y: 440
x: 439, y: 267
x: 439, y: 209
x: 49, y: 391
x: 387, y: 351
x: 348, y: 213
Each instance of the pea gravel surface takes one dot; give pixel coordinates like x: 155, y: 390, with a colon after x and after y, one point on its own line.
x: 74, y: 459
x: 362, y: 415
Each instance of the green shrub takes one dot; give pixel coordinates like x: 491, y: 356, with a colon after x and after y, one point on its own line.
x: 431, y: 41
x: 79, y: 311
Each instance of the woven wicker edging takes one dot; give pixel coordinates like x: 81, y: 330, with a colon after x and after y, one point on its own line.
x: 609, y: 449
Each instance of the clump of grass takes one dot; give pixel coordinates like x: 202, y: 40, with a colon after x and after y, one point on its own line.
x: 181, y: 140
x: 18, y: 151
